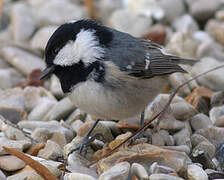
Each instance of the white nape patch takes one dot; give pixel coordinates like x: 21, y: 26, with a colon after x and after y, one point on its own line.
x: 86, y: 48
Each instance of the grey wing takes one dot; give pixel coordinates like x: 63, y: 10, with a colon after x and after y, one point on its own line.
x: 141, y: 58
x: 156, y: 63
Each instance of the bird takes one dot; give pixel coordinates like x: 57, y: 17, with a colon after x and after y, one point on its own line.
x: 107, y: 73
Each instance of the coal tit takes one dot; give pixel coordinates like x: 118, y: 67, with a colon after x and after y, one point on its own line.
x: 107, y: 73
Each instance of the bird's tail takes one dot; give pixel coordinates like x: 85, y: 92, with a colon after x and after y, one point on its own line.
x: 180, y: 60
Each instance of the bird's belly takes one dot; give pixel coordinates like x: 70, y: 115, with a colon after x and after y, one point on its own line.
x: 108, y: 104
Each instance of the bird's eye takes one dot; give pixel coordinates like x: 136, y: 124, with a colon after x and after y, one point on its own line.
x: 55, y: 51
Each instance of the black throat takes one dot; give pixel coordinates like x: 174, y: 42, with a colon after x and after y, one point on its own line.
x: 70, y: 76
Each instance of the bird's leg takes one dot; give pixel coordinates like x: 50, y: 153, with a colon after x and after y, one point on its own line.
x: 87, y: 140
x: 141, y: 133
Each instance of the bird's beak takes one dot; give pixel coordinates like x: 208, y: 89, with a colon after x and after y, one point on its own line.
x: 46, y: 72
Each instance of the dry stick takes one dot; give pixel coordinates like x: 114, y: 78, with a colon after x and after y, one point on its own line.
x: 17, y: 127
x: 160, y: 114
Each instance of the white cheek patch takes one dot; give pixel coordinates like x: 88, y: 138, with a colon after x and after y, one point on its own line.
x: 86, y: 48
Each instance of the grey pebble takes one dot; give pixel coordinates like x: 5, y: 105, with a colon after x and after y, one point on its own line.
x: 132, y: 23
x: 60, y: 110
x: 22, y: 21
x: 161, y: 176
x: 51, y: 151
x: 139, y: 171
x: 22, y: 60
x: 155, y: 168
x: 195, y: 172
x: 200, y: 121
x: 120, y: 172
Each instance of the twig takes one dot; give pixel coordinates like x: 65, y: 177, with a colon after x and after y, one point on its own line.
x: 160, y: 114
x: 17, y: 127
x: 90, y: 5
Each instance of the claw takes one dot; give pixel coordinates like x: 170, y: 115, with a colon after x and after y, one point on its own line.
x: 86, y: 141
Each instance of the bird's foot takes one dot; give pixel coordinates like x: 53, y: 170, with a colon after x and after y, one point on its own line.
x: 84, y: 143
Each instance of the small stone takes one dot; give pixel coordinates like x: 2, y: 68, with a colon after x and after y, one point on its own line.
x: 41, y: 37
x: 139, y: 171
x: 59, y: 138
x: 195, y: 172
x: 157, y: 169
x: 34, y: 94
x: 51, y: 151
x: 41, y: 134
x: 168, y: 139
x: 112, y: 126
x: 11, y: 132
x: 11, y: 163
x: 164, y: 177
x: 55, y: 87
x: 216, y: 114
x: 25, y: 175
x: 129, y: 22
x: 169, y: 5
x: 203, y: 9
x: 14, y: 115
x: 119, y: 171
x: 200, y: 121
x: 180, y: 148
x: 214, y: 134
x: 78, y: 164
x: 75, y: 115
x: 9, y: 78
x: 149, y: 8
x: 171, y: 124
x: 182, y: 137
x: 220, y: 15
x: 157, y: 33
x: 78, y: 176
x: 51, y: 126
x: 19, y: 145
x: 3, y: 64
x: 100, y: 128
x: 215, y: 29
x: 202, y: 36
x: 183, y: 110
x: 210, y: 48
x: 185, y: 23
x: 60, y: 110
x: 76, y: 125
x: 176, y: 79
x: 217, y: 98
x: 47, y: 14
x: 22, y: 60
x: 12, y: 98
x: 206, y: 147
x: 149, y: 154
x: 215, y: 79
x: 183, y: 44
x: 196, y: 139
x: 41, y: 109
x: 23, y: 22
